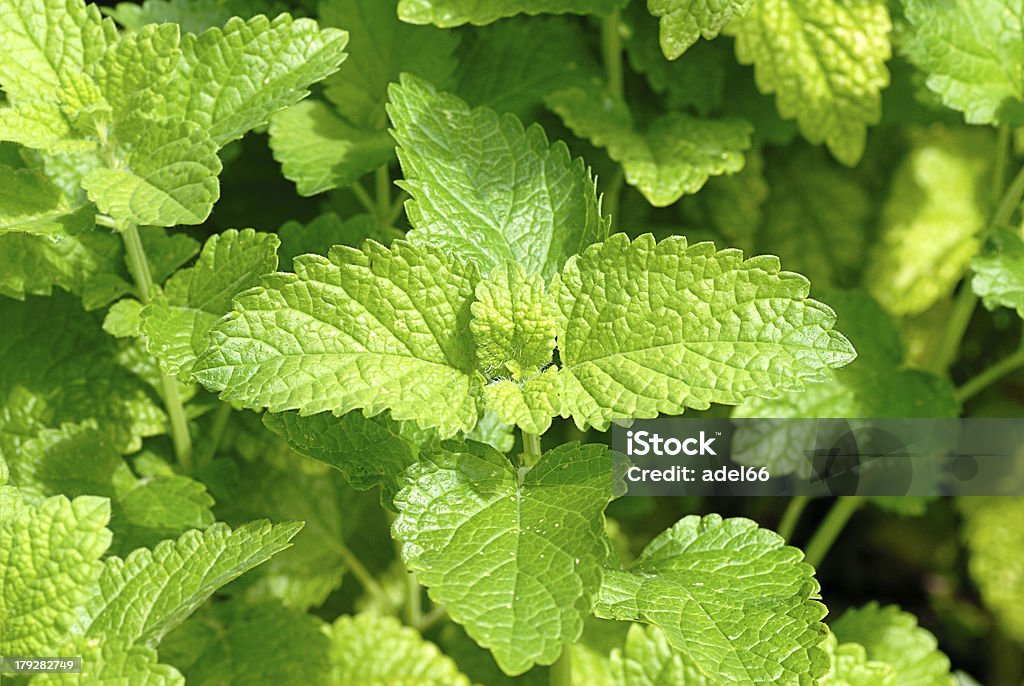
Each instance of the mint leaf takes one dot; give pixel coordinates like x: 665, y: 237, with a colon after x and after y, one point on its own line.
x: 992, y: 529
x: 323, y: 146
x: 930, y: 221
x: 148, y: 593
x: 46, y: 41
x: 448, y: 13
x: 374, y: 649
x: 124, y: 319
x: 893, y: 637
x: 849, y: 392
x: 170, y: 176
x: 319, y: 151
x: 999, y: 272
x: 731, y: 597
x: 367, y: 450
x: 530, y: 403
x: 459, y: 164
x: 113, y: 661
x: 193, y: 16
x: 51, y: 556
x: 697, y: 329
x: 850, y: 666
x: 513, y: 322
x: 647, y: 659
x: 816, y: 219
x: 675, y: 155
x: 177, y: 323
x: 512, y: 65
x: 684, y: 21
x: 321, y: 233
x: 76, y: 373
x: 522, y: 589
x: 824, y: 61
x: 231, y: 80
x: 31, y: 203
x: 373, y: 329
x: 257, y: 645
x: 972, y: 53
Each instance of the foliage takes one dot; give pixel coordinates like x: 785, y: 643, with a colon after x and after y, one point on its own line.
x: 311, y: 453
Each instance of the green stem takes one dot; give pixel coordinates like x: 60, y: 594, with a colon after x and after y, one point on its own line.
x: 1010, y: 202
x: 991, y: 375
x: 611, y: 53
x: 413, y: 601
x: 1002, y: 159
x: 396, y: 207
x: 561, y: 671
x: 831, y: 527
x: 383, y: 184
x: 531, y: 449
x: 363, y: 197
x: 436, y: 614
x: 791, y: 516
x: 362, y: 574
x: 212, y: 443
x: 956, y: 327
x: 138, y: 265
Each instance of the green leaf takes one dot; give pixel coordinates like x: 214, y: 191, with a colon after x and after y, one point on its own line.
x: 260, y: 645
x: 295, y: 489
x: 321, y: 233
x: 323, y: 146
x: 999, y: 272
x: 169, y: 175
x: 893, y: 637
x: 374, y: 649
x: 367, y: 450
x: 33, y: 204
x: 374, y: 329
x: 133, y: 73
x: 319, y: 151
x: 148, y: 593
x: 45, y: 41
x: 824, y: 61
x: 972, y: 53
x: 530, y: 403
x: 850, y: 392
x: 930, y: 221
x: 77, y: 459
x: 194, y: 16
x: 515, y: 561
x: 993, y: 530
x: 647, y: 328
x: 647, y: 659
x: 448, y: 13
x: 231, y: 80
x: 816, y: 219
x: 512, y: 65
x: 177, y: 323
x: 513, y: 322
x: 675, y: 155
x: 732, y: 598
x: 51, y: 556
x: 113, y: 662
x: 76, y: 372
x: 850, y: 666
x: 124, y: 319
x: 459, y: 165
x: 684, y: 21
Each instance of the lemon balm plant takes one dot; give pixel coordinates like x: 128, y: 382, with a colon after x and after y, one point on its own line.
x: 454, y: 342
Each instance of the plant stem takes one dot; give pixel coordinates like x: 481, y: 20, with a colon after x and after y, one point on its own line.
x: 791, y: 516
x: 220, y: 425
x: 138, y: 265
x: 561, y: 671
x: 531, y: 449
x: 956, y: 327
x: 1010, y: 201
x: 611, y: 53
x: 831, y: 527
x: 363, y: 197
x: 383, y: 188
x: 363, y: 575
x: 413, y: 601
x: 396, y: 207
x: 988, y: 377
x: 436, y: 614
